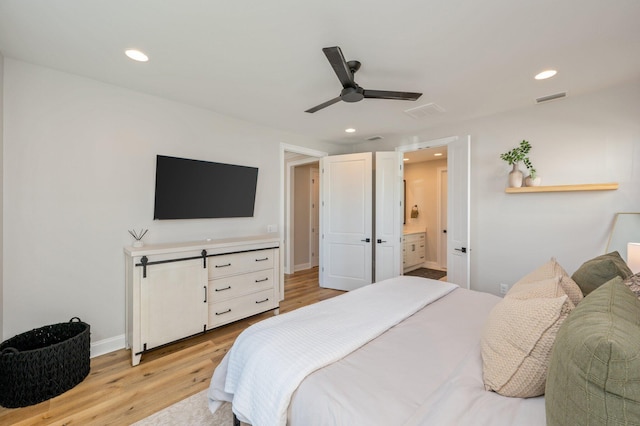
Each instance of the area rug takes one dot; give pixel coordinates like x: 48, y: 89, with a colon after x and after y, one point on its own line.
x: 427, y: 273
x: 192, y: 411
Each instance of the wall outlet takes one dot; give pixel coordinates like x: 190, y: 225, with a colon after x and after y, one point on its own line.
x: 504, y: 288
x: 272, y: 228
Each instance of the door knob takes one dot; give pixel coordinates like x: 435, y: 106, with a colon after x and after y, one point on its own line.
x: 381, y: 241
x: 366, y: 240
x: 463, y: 249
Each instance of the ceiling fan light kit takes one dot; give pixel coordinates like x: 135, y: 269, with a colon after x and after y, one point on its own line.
x: 351, y: 91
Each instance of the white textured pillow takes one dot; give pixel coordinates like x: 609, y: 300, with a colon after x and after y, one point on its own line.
x: 553, y: 269
x: 546, y: 288
x: 519, y: 335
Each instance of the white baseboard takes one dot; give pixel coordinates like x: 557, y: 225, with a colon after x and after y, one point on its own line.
x: 302, y: 267
x: 107, y: 345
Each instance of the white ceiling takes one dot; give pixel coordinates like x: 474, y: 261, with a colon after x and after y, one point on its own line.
x: 262, y: 61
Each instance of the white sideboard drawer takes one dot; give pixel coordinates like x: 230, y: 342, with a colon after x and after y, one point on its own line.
x: 236, y: 263
x: 237, y: 285
x: 241, y: 307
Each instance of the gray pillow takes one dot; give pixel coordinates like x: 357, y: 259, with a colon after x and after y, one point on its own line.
x: 594, y: 372
x: 597, y: 271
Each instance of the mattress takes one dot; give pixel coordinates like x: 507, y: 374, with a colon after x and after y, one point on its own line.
x: 425, y: 370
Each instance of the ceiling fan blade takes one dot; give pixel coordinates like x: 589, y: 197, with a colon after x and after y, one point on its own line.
x: 385, y: 94
x: 324, y: 105
x: 340, y: 67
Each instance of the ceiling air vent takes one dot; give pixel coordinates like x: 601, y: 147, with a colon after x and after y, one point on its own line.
x: 374, y: 138
x: 551, y: 97
x: 425, y: 110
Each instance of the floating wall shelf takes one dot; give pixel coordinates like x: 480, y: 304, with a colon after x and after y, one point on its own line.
x: 564, y: 188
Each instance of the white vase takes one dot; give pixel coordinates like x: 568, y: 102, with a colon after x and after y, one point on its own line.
x: 138, y: 243
x: 515, y: 177
x: 532, y: 182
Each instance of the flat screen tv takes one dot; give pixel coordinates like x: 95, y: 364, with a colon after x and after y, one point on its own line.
x: 194, y: 189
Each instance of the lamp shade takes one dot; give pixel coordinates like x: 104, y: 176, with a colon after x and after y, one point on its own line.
x: 633, y: 257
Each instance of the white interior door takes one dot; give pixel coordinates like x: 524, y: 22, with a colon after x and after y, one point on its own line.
x: 388, y: 215
x: 442, y: 217
x: 458, y: 248
x: 346, y: 221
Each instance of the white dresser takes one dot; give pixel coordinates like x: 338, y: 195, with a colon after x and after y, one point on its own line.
x: 413, y: 250
x: 177, y: 290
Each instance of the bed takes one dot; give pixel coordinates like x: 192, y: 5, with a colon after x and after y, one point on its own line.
x: 422, y: 366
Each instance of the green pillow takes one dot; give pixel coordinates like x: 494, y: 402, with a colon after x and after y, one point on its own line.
x: 597, y: 271
x: 594, y: 372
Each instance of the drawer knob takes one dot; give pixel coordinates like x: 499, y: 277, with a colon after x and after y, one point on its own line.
x: 262, y: 260
x: 225, y: 312
x: 223, y: 289
x: 262, y: 301
x: 262, y: 280
x: 223, y: 266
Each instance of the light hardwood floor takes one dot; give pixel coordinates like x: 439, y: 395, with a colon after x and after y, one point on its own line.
x: 114, y: 393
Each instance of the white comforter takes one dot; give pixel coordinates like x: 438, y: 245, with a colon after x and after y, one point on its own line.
x: 270, y: 359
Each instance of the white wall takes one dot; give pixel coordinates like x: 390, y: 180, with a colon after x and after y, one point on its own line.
x: 592, y: 138
x: 79, y: 171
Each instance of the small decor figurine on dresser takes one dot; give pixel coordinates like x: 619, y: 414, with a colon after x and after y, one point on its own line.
x: 137, y: 236
x: 513, y: 158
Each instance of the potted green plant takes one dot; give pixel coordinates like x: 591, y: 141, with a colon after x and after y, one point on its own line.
x: 513, y: 158
x: 533, y: 179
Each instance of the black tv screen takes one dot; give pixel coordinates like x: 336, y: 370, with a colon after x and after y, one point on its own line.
x: 194, y: 189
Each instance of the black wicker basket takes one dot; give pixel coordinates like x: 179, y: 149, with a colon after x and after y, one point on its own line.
x: 43, y: 363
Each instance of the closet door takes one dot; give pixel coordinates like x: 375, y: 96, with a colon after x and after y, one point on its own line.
x: 346, y: 221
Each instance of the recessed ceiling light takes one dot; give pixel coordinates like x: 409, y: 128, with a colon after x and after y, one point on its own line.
x: 405, y: 159
x: 350, y: 130
x: 546, y: 74
x: 136, y: 55
x: 437, y: 154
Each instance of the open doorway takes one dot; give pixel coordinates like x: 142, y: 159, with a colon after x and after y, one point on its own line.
x: 291, y: 157
x: 305, y: 216
x: 425, y: 227
x: 458, y: 250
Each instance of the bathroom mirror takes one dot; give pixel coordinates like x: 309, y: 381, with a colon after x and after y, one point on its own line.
x: 626, y: 229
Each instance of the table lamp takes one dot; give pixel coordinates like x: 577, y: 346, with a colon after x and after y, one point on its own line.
x: 633, y: 257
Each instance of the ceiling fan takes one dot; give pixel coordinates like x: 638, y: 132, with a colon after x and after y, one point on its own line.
x: 351, y: 92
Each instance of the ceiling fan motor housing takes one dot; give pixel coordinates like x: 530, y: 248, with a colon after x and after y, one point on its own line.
x: 352, y: 94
